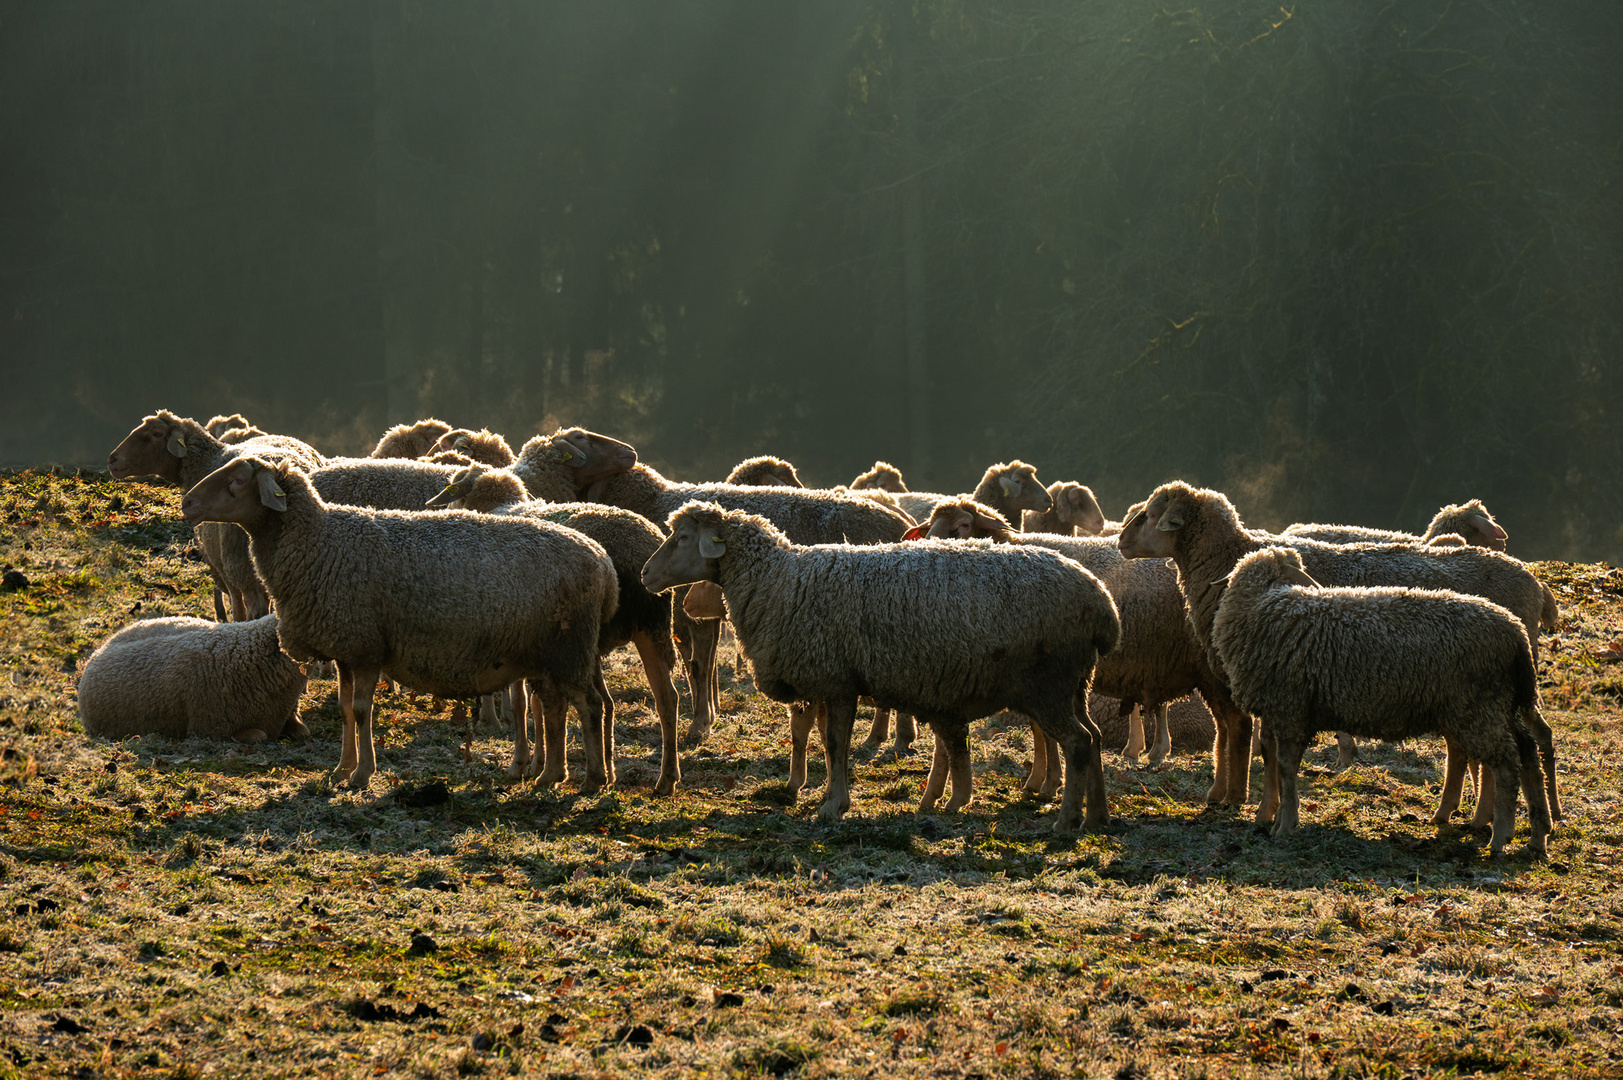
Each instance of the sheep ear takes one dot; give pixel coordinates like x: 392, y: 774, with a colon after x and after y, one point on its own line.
x: 1295, y: 575
x: 461, y: 442
x: 986, y: 524
x: 712, y: 546
x: 1010, y: 486
x: 177, y: 443
x: 450, y: 494
x: 1170, y: 521
x: 572, y: 454
x: 270, y: 492
x: 1488, y: 528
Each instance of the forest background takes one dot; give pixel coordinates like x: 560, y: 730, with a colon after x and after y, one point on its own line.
x: 1344, y: 260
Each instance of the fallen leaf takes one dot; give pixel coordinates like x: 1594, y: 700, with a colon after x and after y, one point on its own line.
x: 1000, y: 1049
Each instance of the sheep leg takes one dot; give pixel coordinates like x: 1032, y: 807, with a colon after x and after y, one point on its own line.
x: 1080, y: 743
x: 802, y: 717
x: 595, y: 737
x: 1163, y: 735
x: 1287, y: 757
x: 239, y: 606
x: 1346, y: 751
x: 366, y: 685
x: 347, y: 757
x: 1135, y: 735
x: 1037, y: 779
x: 1268, y: 805
x: 606, y: 705
x: 958, y: 767
x: 880, y: 730
x: 1054, y: 770
x: 940, y: 765
x: 219, y: 603
x: 906, y: 731
x: 1487, y: 796
x: 521, y: 733
x: 256, y: 603
x: 702, y: 680
x: 842, y: 713
x: 551, y: 712
x: 1533, y: 783
x: 1545, y: 738
x: 656, y: 668
x: 1239, y: 782
x: 1453, y: 782
x: 489, y: 718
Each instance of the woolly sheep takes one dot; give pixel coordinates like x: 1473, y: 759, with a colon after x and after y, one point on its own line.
x: 381, y: 483
x: 882, y: 477
x: 1157, y: 660
x: 410, y: 440
x: 1203, y: 535
x: 1075, y: 512
x: 483, y: 446
x: 764, y: 471
x: 642, y: 619
x: 943, y: 631
x: 1471, y: 521
x: 192, y: 678
x: 182, y: 451
x: 1382, y: 662
x: 451, y: 603
x: 806, y: 516
x: 561, y: 467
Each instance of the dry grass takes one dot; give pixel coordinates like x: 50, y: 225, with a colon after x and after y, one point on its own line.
x: 183, y: 908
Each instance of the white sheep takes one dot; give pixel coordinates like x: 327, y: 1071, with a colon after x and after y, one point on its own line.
x: 1382, y: 662
x: 186, y: 677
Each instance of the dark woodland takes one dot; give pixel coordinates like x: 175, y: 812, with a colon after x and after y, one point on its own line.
x: 1345, y: 261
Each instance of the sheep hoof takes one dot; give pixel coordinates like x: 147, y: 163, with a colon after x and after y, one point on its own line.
x: 1047, y: 792
x: 516, y: 770
x: 358, y: 780
x: 927, y: 804
x: 666, y: 787
x: 903, y: 748
x: 546, y: 780
x: 592, y: 785
x: 251, y: 735
x: 832, y: 811
x: 1067, y: 826
x: 696, y: 734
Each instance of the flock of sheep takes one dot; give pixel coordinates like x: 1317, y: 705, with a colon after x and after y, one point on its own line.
x: 453, y: 566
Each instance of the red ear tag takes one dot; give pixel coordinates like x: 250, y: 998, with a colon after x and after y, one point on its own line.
x: 915, y: 533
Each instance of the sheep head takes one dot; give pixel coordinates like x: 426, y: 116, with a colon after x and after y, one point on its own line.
x: 1015, y: 484
x: 884, y: 476
x: 693, y: 550
x: 593, y: 457
x: 1076, y: 506
x: 239, y: 491
x: 964, y: 520
x: 483, y: 446
x: 156, y: 446
x: 765, y: 471
x: 410, y: 440
x: 475, y: 487
x: 1273, y: 565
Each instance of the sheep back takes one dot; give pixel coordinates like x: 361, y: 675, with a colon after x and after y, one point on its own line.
x: 382, y: 484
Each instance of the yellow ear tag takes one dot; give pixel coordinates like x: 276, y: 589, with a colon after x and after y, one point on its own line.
x: 181, y: 439
x: 280, y: 494
x: 453, y: 489
x: 715, y: 538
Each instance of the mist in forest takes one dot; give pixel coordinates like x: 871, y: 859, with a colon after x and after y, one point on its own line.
x: 1345, y: 262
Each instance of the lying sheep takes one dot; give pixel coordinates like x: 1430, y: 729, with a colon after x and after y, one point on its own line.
x: 1382, y: 662
x: 946, y: 632
x: 642, y: 619
x: 806, y: 516
x: 410, y: 440
x: 483, y: 446
x: 1075, y: 512
x: 450, y: 603
x: 191, y: 678
x: 764, y: 471
x: 1203, y: 535
x: 182, y: 451
x: 1157, y: 660
x: 882, y: 477
x: 1009, y: 488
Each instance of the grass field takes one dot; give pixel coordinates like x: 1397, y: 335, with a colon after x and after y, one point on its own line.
x: 182, y: 908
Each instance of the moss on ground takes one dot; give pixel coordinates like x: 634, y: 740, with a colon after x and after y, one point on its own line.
x: 182, y: 907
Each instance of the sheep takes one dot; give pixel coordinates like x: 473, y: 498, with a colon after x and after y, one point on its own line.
x: 451, y: 603
x: 1452, y: 526
x: 1075, y: 512
x: 882, y: 477
x: 942, y: 631
x: 1008, y: 488
x: 764, y: 471
x: 483, y: 446
x: 192, y: 678
x: 1384, y: 662
x: 1203, y: 535
x: 182, y: 451
x: 381, y: 483
x: 642, y: 618
x: 1470, y: 521
x: 807, y: 516
x: 410, y: 440
x: 1158, y: 659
